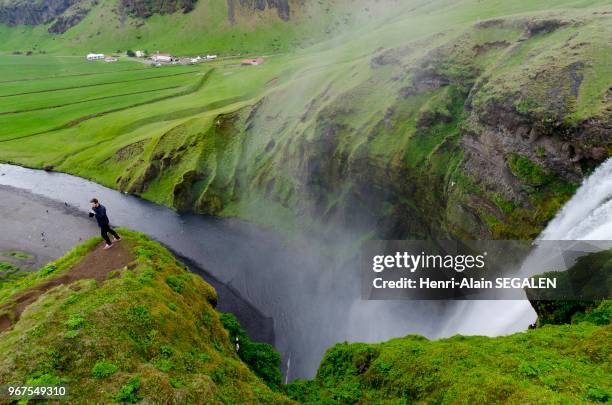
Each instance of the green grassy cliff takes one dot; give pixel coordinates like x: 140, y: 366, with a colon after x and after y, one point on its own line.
x: 588, y: 282
x: 564, y: 358
x: 133, y: 325
x: 552, y: 364
x: 423, y: 120
x: 126, y: 325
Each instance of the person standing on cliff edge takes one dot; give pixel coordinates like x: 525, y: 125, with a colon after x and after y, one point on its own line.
x: 99, y: 211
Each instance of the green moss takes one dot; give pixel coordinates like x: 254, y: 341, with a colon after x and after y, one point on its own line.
x: 548, y: 365
x: 103, y: 369
x: 528, y: 171
x: 118, y: 340
x: 129, y: 392
x: 580, y: 294
x: 7, y: 268
x: 502, y: 203
x: 176, y: 282
x: 601, y: 315
x: 261, y: 358
x: 18, y: 255
x: 526, y: 105
x: 75, y: 321
x: 546, y: 196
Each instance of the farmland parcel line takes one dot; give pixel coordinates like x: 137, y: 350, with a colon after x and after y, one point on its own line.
x: 212, y: 106
x: 75, y: 122
x: 98, y: 84
x: 31, y: 79
x: 185, y: 112
x: 88, y: 100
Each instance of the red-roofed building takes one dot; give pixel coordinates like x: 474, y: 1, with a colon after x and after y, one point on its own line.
x: 162, y: 57
x: 253, y: 62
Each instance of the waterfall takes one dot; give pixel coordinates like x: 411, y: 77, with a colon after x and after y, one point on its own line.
x: 586, y: 217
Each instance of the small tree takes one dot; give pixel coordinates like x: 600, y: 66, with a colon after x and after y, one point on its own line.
x: 131, y: 53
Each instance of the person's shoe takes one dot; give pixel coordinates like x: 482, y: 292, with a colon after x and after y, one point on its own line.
x: 117, y: 239
x: 107, y: 246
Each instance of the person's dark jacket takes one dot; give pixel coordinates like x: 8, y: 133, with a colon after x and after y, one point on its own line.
x: 100, y: 213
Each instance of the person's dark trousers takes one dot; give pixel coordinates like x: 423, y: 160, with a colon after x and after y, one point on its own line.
x: 105, y: 230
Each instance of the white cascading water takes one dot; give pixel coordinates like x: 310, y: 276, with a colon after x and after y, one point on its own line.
x: 586, y: 217
x: 233, y: 252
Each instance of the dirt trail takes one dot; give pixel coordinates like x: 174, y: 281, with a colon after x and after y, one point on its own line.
x: 95, y: 265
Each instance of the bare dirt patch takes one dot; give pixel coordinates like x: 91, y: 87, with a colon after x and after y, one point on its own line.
x: 95, y: 265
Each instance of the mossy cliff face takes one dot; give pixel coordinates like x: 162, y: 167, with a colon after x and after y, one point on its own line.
x: 554, y: 364
x: 565, y: 358
x: 61, y: 15
x: 282, y: 7
x: 146, y: 331
x: 137, y: 327
x: 32, y: 12
x: 588, y: 281
x: 145, y: 9
x: 409, y: 119
x: 483, y: 133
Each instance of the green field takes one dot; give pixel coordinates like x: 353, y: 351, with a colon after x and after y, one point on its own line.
x: 386, y: 98
x: 416, y: 119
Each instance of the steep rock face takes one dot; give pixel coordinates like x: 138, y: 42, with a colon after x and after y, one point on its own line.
x: 32, y: 12
x: 529, y: 139
x: 146, y: 8
x: 64, y: 22
x: 281, y: 6
x: 458, y: 152
x: 64, y: 14
x: 587, y: 278
x: 430, y: 144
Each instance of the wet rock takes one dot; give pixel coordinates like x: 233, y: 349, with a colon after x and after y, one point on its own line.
x: 147, y: 8
x: 598, y: 153
x: 31, y: 12
x: 545, y: 26
x: 281, y: 6
x: 64, y: 22
x: 487, y: 46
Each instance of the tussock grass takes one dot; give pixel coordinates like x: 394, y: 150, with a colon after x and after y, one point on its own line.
x: 134, y: 337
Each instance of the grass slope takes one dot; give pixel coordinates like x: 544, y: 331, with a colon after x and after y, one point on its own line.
x: 564, y: 359
x: 403, y: 102
x: 149, y: 332
x: 553, y: 364
x: 205, y: 29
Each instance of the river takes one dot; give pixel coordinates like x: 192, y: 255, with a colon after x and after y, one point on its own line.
x: 313, y: 301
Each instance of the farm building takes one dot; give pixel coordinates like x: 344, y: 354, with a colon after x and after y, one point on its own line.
x: 95, y: 56
x: 139, y: 54
x: 162, y: 57
x: 211, y: 57
x: 253, y: 62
